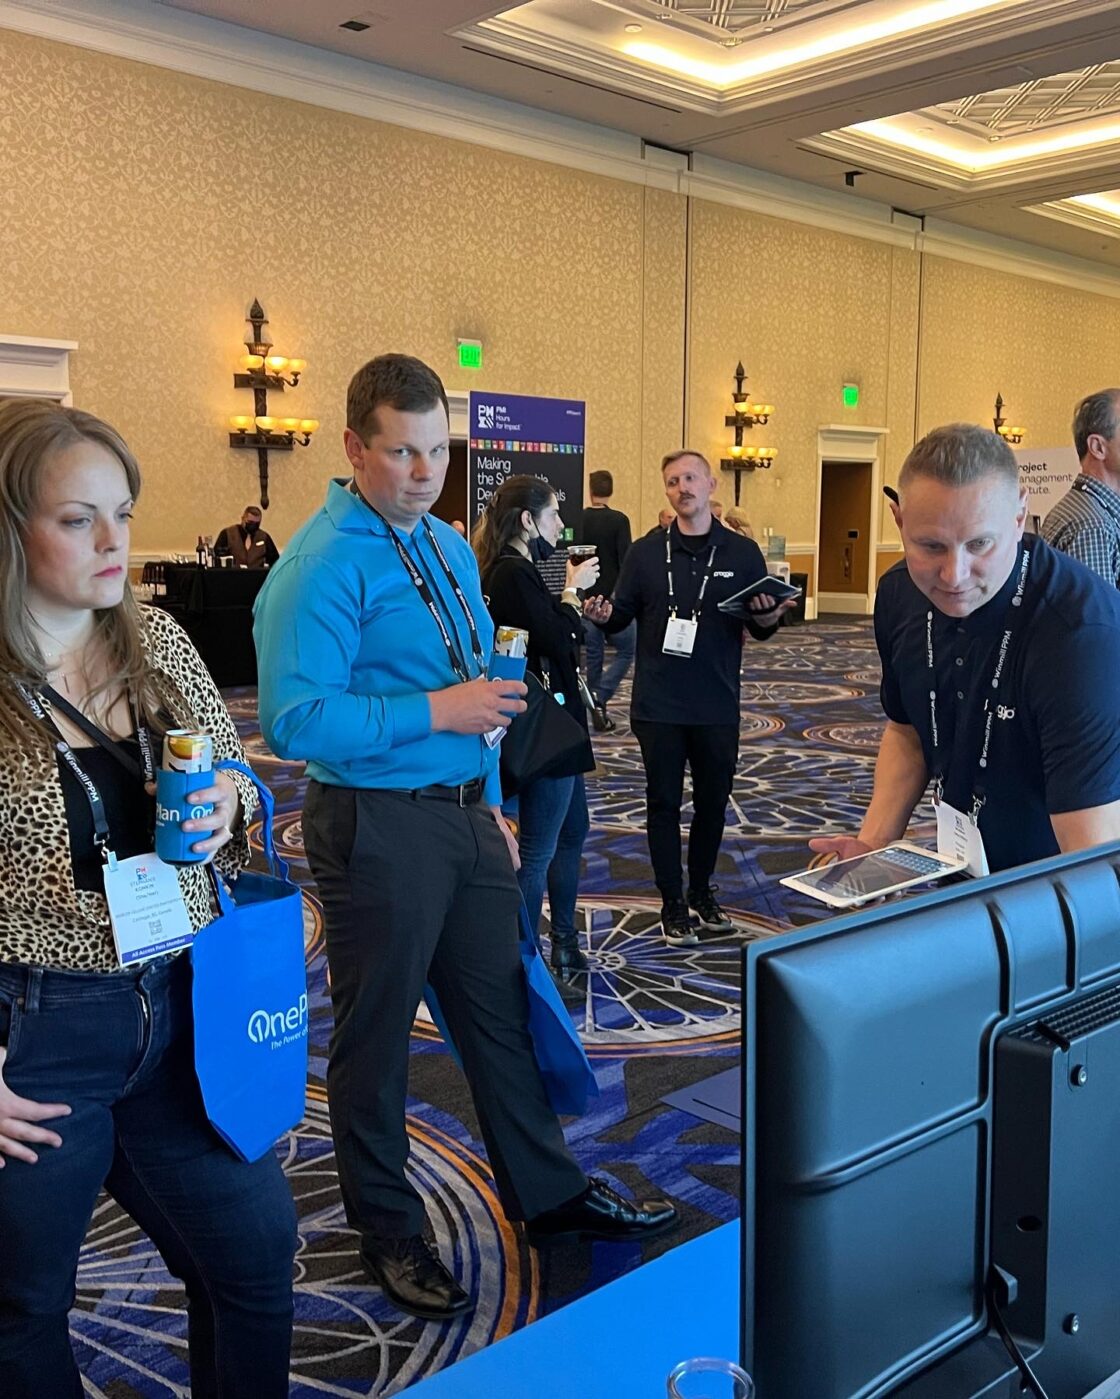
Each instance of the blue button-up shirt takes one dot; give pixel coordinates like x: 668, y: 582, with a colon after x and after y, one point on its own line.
x: 348, y: 652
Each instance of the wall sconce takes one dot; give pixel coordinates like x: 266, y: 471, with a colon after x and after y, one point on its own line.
x: 263, y: 371
x: 1013, y: 435
x: 741, y: 458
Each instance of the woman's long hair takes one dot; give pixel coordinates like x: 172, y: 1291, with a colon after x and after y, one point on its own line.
x: 500, y: 522
x: 32, y: 431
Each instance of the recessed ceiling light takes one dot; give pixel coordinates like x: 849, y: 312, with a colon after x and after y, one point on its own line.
x: 633, y: 28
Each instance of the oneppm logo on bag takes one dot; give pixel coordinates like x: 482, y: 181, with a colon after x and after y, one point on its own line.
x: 281, y: 1027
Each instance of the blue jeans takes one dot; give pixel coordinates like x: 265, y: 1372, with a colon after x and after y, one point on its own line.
x: 554, y: 825
x: 118, y: 1049
x: 603, y: 683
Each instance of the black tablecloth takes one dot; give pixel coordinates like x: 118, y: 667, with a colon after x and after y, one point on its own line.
x: 214, y: 606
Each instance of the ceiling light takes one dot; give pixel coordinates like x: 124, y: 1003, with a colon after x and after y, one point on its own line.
x: 978, y: 157
x: 633, y: 28
x: 907, y: 21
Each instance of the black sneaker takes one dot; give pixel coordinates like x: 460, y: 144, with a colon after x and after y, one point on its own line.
x: 676, y: 925
x: 708, y: 911
x: 601, y: 721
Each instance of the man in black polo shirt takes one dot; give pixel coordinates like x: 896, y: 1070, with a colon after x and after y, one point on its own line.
x: 685, y: 705
x: 1000, y: 657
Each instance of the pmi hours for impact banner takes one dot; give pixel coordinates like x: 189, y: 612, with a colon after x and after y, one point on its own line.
x: 515, y: 435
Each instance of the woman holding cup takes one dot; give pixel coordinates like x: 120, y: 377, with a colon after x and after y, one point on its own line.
x: 523, y: 521
x: 97, y: 1085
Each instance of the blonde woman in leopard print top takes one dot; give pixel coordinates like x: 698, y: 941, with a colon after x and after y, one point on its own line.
x: 97, y: 1086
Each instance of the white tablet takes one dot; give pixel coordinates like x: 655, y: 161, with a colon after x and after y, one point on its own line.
x: 848, y: 883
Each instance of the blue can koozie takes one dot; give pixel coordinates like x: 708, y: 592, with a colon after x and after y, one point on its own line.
x: 173, y: 844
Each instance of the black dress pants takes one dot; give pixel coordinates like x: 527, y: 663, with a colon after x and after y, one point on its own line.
x: 711, y: 752
x: 418, y: 890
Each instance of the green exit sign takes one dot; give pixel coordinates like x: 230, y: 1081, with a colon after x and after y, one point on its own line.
x: 850, y: 395
x: 470, y: 354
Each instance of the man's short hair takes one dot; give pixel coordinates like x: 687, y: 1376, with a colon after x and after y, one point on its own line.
x: 671, y: 457
x: 251, y: 510
x: 399, y: 381
x: 601, y: 483
x: 1096, y: 414
x: 960, y: 454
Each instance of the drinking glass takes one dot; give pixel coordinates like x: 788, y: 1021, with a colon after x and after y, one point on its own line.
x: 708, y: 1378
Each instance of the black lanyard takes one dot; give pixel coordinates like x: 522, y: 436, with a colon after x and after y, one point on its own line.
x: 1010, y: 625
x: 454, y: 655
x: 69, y: 757
x: 669, y: 572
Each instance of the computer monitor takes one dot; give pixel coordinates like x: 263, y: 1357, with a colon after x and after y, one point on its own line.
x: 931, y: 1124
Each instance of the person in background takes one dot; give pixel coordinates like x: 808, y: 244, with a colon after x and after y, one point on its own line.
x: 1000, y: 657
x: 737, y: 519
x: 685, y: 706
x: 97, y: 1082
x: 716, y: 508
x: 381, y: 684
x: 665, y: 518
x: 460, y: 528
x: 552, y: 810
x: 1085, y: 523
x: 609, y: 531
x: 247, y: 543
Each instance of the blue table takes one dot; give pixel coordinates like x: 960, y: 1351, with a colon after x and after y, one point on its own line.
x: 619, y: 1342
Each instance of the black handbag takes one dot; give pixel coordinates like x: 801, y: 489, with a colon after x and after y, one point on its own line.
x: 538, y: 741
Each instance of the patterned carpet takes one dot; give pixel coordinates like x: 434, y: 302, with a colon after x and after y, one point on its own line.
x: 654, y: 1019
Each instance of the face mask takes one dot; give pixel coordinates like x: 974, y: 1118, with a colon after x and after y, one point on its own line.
x: 252, y: 526
x: 540, y: 549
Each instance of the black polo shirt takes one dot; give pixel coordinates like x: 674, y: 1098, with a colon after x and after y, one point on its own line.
x: 702, y: 688
x: 1055, y: 743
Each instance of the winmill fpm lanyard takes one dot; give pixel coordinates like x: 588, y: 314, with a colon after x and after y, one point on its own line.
x: 1010, y: 625
x: 101, y: 834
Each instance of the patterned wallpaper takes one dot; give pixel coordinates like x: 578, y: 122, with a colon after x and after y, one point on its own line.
x: 1042, y: 346
x: 142, y: 210
x: 805, y: 310
x: 163, y: 204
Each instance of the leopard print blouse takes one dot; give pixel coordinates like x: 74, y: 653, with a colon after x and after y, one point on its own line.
x: 44, y: 920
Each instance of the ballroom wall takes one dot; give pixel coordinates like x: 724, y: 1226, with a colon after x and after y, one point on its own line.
x: 142, y: 209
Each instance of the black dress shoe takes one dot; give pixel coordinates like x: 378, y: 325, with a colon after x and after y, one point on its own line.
x: 566, y: 959
x: 602, y: 1213
x: 410, y: 1274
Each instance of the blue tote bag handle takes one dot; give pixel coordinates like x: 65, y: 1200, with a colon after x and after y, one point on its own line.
x: 276, y: 863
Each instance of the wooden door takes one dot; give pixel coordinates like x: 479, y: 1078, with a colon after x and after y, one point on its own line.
x: 844, y: 547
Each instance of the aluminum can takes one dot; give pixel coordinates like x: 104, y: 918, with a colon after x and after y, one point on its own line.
x: 511, y: 641
x: 187, y: 750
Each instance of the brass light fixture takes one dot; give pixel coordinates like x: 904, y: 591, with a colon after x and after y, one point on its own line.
x: 264, y: 371
x: 1013, y: 435
x: 742, y: 458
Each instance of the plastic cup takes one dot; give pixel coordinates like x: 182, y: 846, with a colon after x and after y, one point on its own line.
x: 706, y: 1377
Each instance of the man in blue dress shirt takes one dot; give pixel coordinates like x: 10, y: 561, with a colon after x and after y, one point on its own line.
x: 373, y: 642
x: 1000, y: 657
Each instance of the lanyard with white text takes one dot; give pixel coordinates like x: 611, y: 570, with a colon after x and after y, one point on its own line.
x: 87, y: 784
x: 458, y: 661
x: 990, y: 707
x: 703, y: 586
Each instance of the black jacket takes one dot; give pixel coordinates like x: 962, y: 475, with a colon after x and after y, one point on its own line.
x: 517, y: 597
x: 609, y: 531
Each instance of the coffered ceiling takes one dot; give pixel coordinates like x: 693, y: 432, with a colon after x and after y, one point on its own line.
x: 1002, y: 115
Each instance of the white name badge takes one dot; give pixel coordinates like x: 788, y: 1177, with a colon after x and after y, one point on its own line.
x: 146, y: 908
x: 680, y: 636
x: 959, y: 838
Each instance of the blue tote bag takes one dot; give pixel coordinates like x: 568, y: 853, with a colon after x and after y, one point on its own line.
x: 250, y: 1002
x: 560, y: 1055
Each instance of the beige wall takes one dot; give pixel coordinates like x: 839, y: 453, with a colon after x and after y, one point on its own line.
x: 142, y: 210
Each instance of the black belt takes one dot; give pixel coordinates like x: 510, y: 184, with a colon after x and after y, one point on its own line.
x: 465, y: 794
